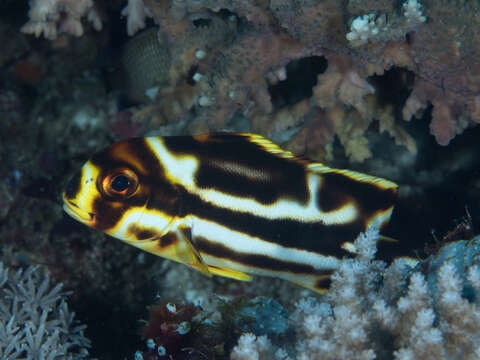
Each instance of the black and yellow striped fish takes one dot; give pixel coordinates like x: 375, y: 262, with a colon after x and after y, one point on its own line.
x: 229, y: 204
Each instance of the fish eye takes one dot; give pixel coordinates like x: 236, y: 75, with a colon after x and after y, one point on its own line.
x: 120, y: 183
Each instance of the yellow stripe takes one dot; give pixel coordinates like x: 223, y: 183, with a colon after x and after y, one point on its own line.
x: 88, y: 187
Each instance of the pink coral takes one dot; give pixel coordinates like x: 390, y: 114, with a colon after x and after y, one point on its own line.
x: 443, y: 123
x: 449, y: 117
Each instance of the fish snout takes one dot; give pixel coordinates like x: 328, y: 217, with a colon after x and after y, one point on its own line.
x: 76, y: 212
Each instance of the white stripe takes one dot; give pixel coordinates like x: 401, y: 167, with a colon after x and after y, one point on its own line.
x: 120, y: 231
x: 237, y: 169
x: 153, y: 220
x: 242, y: 243
x: 181, y: 169
x: 283, y: 209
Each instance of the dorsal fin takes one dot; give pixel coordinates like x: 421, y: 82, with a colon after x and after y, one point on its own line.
x: 355, y: 175
x: 262, y: 142
x: 317, y: 167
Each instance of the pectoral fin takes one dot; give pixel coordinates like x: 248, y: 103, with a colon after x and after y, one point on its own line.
x: 196, y: 262
x: 350, y: 247
x: 387, y: 239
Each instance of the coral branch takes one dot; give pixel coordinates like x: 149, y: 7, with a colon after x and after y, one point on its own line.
x: 52, y: 17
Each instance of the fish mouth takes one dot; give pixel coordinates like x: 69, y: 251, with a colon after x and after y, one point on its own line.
x: 78, y: 214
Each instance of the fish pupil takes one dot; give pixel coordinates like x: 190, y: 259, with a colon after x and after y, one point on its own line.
x: 120, y: 183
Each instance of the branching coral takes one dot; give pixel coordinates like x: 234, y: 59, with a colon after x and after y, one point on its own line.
x: 136, y: 13
x: 447, y: 74
x: 372, y: 28
x: 371, y: 313
x: 35, y: 322
x: 230, y: 69
x: 363, y: 319
x: 237, y: 80
x: 251, y: 347
x: 52, y: 17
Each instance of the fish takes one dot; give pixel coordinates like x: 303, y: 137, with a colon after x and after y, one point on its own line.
x: 229, y: 204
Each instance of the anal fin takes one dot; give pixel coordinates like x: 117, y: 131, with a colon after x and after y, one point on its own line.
x: 229, y: 273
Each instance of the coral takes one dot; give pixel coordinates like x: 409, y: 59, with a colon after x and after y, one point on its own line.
x: 338, y: 329
x: 375, y: 28
x: 168, y: 331
x: 35, y: 322
x: 136, y: 13
x: 251, y: 347
x: 239, y: 79
x: 447, y: 71
x: 182, y: 330
x: 448, y: 116
x: 219, y: 60
x: 371, y: 313
x: 235, y: 80
x: 463, y: 254
x: 263, y: 316
x: 363, y: 319
x: 52, y: 17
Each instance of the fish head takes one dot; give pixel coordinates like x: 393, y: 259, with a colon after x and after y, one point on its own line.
x: 112, y: 189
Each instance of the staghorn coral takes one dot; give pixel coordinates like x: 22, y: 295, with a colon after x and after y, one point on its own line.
x: 35, y: 322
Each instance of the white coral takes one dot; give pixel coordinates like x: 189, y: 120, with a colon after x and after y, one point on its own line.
x: 374, y: 27
x: 369, y: 308
x: 362, y: 28
x: 251, y: 347
x: 35, y: 322
x: 52, y: 17
x: 339, y: 328
x: 136, y: 13
x: 367, y: 304
x: 413, y: 11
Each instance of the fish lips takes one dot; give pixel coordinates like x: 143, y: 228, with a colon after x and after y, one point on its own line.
x: 78, y: 214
